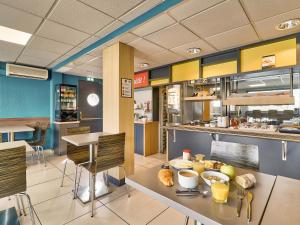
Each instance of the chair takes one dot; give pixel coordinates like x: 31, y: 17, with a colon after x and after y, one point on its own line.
x: 38, y: 144
x: 13, y: 176
x: 240, y: 155
x: 77, y: 154
x: 110, y: 154
x: 35, y: 133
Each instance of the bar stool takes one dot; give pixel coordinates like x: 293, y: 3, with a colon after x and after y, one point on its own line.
x: 38, y: 145
x: 110, y: 154
x: 77, y: 154
x: 13, y: 177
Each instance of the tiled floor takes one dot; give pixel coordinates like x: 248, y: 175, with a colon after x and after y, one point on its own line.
x: 55, y: 205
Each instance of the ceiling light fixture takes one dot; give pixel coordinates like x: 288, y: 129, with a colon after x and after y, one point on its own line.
x: 142, y: 65
x: 193, y: 51
x: 289, y: 24
x: 14, y: 36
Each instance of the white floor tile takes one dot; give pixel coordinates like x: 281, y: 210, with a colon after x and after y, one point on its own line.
x: 170, y: 217
x: 49, y: 190
x: 103, y: 216
x: 43, y: 176
x: 138, y: 209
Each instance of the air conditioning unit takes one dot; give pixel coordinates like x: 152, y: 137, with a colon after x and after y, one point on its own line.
x: 13, y: 70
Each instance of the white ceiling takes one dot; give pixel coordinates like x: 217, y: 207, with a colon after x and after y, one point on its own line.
x: 61, y: 28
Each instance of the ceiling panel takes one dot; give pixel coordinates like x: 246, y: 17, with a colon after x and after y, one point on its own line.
x: 9, y: 52
x: 173, y: 36
x: 167, y: 57
x: 153, y: 25
x: 234, y: 38
x: 266, y: 28
x: 88, y: 41
x: 109, y: 28
x: 80, y: 16
x: 61, y: 33
x: 225, y: 16
x: 191, y: 7
x: 205, y: 49
x: 37, y: 7
x: 127, y: 37
x: 34, y: 61
x: 48, y: 45
x: 82, y: 60
x: 261, y: 9
x: 19, y: 20
x: 40, y: 54
x: 97, y: 52
x: 146, y: 47
x: 114, y: 8
x: 139, y: 10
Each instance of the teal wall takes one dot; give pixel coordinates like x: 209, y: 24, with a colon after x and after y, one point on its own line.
x: 21, y: 98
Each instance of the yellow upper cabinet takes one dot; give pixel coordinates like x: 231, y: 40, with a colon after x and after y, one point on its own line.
x: 186, y: 71
x: 284, y: 51
x: 220, y: 69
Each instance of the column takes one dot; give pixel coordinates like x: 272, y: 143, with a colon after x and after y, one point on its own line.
x: 118, y: 64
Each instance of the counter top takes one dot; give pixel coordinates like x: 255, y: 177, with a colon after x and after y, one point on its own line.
x: 70, y: 122
x: 143, y: 122
x: 265, y: 134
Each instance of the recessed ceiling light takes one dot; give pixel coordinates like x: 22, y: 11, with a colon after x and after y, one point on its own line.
x: 14, y: 36
x: 289, y: 24
x: 142, y: 65
x: 193, y: 51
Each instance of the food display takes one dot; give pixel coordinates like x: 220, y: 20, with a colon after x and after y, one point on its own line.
x: 188, y: 178
x: 246, y: 180
x: 213, y: 165
x: 199, y: 167
x: 228, y: 170
x: 220, y: 192
x: 212, y: 176
x: 180, y: 164
x: 166, y: 177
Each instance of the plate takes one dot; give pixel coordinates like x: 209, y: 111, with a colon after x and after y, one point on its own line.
x: 210, y: 165
x: 220, y: 177
x: 181, y: 164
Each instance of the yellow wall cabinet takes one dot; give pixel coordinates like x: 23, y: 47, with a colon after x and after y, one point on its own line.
x: 186, y: 71
x: 219, y: 69
x: 284, y: 51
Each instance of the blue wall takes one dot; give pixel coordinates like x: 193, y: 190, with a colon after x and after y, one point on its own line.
x: 25, y: 98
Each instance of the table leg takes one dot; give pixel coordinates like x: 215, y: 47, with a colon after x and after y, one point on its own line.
x: 101, y: 188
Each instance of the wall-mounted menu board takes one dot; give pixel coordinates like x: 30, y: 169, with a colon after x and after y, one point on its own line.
x: 186, y: 71
x: 219, y: 69
x: 284, y: 51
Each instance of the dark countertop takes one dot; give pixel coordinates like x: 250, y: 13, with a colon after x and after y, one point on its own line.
x: 239, y: 132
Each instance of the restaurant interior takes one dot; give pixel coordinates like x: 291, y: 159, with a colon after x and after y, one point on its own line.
x: 149, y: 112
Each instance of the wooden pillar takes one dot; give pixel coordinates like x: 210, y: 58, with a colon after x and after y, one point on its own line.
x: 118, y: 115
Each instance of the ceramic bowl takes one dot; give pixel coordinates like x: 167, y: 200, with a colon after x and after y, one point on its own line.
x: 188, y: 178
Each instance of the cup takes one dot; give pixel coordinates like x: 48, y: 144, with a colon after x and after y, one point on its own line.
x: 220, y: 192
x: 188, y: 178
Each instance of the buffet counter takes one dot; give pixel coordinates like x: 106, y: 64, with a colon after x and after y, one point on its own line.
x: 278, y: 152
x: 146, y: 137
x: 259, y: 133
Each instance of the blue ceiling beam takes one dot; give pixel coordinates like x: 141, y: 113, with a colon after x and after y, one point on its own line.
x: 121, y: 30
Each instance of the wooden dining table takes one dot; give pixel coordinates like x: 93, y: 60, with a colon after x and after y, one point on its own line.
x: 205, y: 210
x: 12, y: 129
x: 90, y: 139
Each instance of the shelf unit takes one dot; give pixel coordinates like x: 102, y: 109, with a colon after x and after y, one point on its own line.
x: 260, y: 100
x: 201, y: 98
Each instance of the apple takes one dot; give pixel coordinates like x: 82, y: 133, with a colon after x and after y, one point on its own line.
x: 228, y: 170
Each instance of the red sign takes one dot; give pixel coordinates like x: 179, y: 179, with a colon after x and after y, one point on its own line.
x: 141, y: 80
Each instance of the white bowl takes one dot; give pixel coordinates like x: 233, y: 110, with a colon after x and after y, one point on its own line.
x: 188, y: 181
x: 223, y: 178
